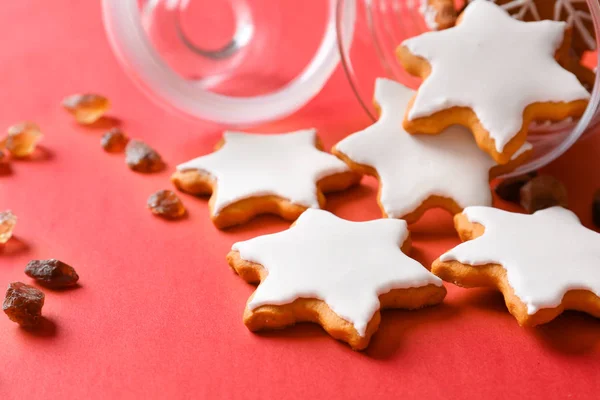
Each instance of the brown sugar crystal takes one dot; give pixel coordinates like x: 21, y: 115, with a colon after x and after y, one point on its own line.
x: 8, y: 220
x: 4, y: 165
x: 21, y: 139
x: 52, y: 273
x: 114, y: 141
x: 596, y: 208
x: 510, y: 188
x: 542, y: 192
x: 23, y: 304
x: 166, y: 204
x: 87, y: 108
x: 142, y: 158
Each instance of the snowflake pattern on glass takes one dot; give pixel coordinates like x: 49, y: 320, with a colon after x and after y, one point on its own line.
x: 574, y: 12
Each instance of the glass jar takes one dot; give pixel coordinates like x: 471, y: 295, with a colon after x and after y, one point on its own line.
x: 265, y: 59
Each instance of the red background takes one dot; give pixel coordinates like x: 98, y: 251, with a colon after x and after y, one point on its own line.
x: 158, y: 313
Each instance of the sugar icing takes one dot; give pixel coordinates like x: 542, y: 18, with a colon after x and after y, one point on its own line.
x: 248, y: 165
x: 545, y: 254
x: 495, y: 65
x: 412, y: 168
x: 346, y: 264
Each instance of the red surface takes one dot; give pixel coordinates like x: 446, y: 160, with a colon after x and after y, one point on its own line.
x: 158, y: 313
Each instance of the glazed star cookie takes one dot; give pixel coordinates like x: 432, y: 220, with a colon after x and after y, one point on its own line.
x: 438, y: 14
x: 251, y: 174
x: 419, y: 172
x: 493, y: 74
x: 334, y: 272
x: 543, y: 263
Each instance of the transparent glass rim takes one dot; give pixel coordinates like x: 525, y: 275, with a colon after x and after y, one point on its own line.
x: 136, y: 53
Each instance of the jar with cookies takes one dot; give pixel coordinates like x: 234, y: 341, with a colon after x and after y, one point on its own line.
x: 220, y: 80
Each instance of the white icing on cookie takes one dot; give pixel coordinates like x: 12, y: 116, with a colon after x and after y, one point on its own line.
x: 545, y: 254
x: 412, y: 168
x: 348, y: 265
x: 495, y: 65
x: 250, y: 165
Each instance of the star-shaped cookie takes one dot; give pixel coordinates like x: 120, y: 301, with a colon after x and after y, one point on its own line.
x: 543, y: 263
x: 420, y: 172
x: 493, y: 74
x: 333, y: 272
x: 252, y: 174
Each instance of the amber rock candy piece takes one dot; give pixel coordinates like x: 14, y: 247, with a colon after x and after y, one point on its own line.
x: 52, y: 273
x: 542, y: 192
x: 510, y: 188
x: 596, y: 208
x: 166, y: 204
x: 114, y: 141
x: 142, y: 158
x: 23, y: 304
x: 4, y: 165
x: 21, y: 139
x: 8, y: 220
x: 87, y: 108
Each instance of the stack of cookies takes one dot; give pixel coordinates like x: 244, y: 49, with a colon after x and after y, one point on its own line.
x: 484, y: 81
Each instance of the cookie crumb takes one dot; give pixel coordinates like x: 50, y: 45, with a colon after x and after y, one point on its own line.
x: 87, y: 108
x: 21, y: 139
x: 142, y: 158
x: 23, y: 304
x: 52, y: 273
x: 166, y: 204
x: 114, y: 141
x: 8, y: 220
x: 541, y: 192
